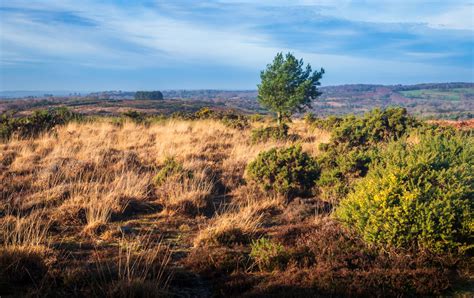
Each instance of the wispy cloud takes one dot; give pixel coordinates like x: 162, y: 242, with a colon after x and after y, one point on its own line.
x: 376, y: 41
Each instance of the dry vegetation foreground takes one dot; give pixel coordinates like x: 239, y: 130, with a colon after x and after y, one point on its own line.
x: 84, y: 211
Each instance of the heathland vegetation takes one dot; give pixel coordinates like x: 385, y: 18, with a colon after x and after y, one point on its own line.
x: 220, y: 203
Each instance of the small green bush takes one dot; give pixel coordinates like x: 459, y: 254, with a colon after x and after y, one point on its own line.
x: 135, y: 116
x: 235, y: 120
x: 309, y: 118
x: 171, y: 168
x: 205, y: 113
x: 7, y: 126
x: 417, y: 195
x: 287, y: 171
x: 269, y: 133
x: 257, y: 117
x: 329, y: 123
x: 268, y: 255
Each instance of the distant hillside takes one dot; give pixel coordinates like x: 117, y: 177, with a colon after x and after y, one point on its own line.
x: 443, y: 100
x: 434, y: 100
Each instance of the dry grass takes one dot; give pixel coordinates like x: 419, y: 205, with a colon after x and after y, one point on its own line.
x: 140, y: 269
x: 25, y: 232
x: 187, y: 194
x: 85, y: 176
x: 230, y: 227
x: 24, y: 249
x: 238, y: 222
x: 59, y: 191
x: 100, y: 160
x: 99, y: 167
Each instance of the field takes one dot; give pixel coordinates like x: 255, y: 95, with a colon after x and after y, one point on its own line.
x: 166, y: 208
x: 455, y: 94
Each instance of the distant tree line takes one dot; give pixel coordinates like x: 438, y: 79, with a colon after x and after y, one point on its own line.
x: 442, y: 86
x: 150, y: 95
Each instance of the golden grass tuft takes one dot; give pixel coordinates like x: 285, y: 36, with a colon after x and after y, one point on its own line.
x: 237, y: 223
x: 187, y: 194
x: 140, y: 268
x: 24, y: 232
x: 24, y: 247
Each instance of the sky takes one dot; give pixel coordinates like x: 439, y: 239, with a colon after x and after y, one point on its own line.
x: 224, y: 44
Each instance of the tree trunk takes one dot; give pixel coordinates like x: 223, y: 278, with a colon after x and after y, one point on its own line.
x: 279, y: 119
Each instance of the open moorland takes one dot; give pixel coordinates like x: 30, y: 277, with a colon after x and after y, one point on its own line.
x: 451, y: 101
x: 221, y: 204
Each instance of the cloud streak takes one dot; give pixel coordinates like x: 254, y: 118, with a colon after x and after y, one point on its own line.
x: 349, y: 39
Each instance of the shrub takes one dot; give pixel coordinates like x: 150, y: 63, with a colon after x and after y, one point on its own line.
x: 328, y: 123
x: 334, y: 261
x: 236, y: 121
x: 268, y: 255
x: 286, y: 171
x: 7, y: 125
x: 257, y: 117
x: 134, y: 116
x: 333, y: 185
x: 417, y: 195
x: 205, y: 113
x: 309, y: 118
x: 354, y: 145
x: 373, y: 127
x: 171, y: 168
x: 31, y: 126
x: 269, y: 133
x: 341, y: 168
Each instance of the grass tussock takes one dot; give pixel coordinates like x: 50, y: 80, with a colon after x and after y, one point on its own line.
x: 25, y: 252
x: 239, y: 222
x: 139, y: 269
x: 187, y: 194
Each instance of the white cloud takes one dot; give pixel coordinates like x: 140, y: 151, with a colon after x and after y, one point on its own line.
x: 152, y: 33
x: 459, y: 17
x: 137, y: 37
x: 452, y: 14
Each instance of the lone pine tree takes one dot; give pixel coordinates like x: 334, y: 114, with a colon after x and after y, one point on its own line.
x: 287, y: 86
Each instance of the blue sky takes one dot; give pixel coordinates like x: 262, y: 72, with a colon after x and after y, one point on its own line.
x: 223, y: 44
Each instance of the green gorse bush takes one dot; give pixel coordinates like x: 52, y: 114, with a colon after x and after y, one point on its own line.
x: 275, y: 133
x: 354, y: 145
x: 288, y: 171
x: 417, y: 195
